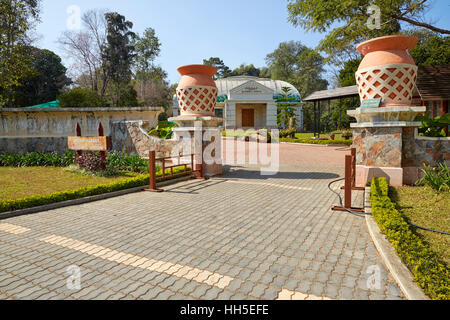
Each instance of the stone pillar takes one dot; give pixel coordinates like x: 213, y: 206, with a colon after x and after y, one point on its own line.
x: 204, y: 141
x: 271, y: 114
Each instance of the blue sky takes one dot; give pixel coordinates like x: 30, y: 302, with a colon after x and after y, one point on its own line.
x: 237, y: 31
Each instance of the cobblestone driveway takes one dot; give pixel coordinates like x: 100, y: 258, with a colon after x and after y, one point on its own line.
x: 241, y: 236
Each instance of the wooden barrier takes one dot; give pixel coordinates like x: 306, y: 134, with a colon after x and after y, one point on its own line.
x: 152, y: 170
x: 348, y: 187
x: 353, y: 173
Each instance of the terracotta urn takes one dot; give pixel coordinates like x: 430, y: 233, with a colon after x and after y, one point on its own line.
x: 387, y: 70
x: 197, y: 91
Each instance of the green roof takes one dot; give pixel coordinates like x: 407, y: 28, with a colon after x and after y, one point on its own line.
x: 51, y: 104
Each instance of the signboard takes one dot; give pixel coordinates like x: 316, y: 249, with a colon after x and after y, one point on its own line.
x: 371, y: 103
x: 88, y: 143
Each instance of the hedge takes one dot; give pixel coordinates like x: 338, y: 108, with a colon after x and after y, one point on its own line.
x: 33, y: 201
x: 430, y: 272
x: 343, y: 142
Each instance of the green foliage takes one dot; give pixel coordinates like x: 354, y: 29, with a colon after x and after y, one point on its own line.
x: 285, y: 108
x: 121, y: 161
x: 222, y: 70
x: 437, y: 178
x: 128, y: 96
x: 15, y: 56
x: 432, y: 48
x: 139, y: 181
x: 347, y: 73
x: 118, y: 52
x: 37, y: 159
x: 46, y: 84
x: 347, y: 134
x: 164, y: 130
x: 433, y: 127
x: 430, y: 273
x: 81, y: 98
x: 285, y: 133
x: 309, y: 141
x: 299, y: 65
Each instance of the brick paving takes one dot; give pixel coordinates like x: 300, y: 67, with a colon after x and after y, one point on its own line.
x: 240, y: 236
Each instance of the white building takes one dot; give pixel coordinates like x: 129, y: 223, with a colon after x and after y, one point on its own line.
x: 251, y: 102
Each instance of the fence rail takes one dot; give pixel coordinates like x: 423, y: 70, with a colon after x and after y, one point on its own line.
x: 188, y: 168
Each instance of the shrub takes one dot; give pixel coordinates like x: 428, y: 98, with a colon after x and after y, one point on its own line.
x: 285, y: 133
x: 347, y: 134
x: 164, y: 130
x: 120, y: 161
x: 81, y: 98
x: 430, y: 273
x: 37, y: 159
x: 308, y: 141
x: 433, y: 127
x: 90, y: 161
x: 437, y: 178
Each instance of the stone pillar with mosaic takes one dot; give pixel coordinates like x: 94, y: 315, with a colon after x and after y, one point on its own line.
x: 386, y: 80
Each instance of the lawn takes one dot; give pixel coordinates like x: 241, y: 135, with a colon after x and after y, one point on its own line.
x: 24, y: 182
x: 426, y: 207
x: 307, y: 135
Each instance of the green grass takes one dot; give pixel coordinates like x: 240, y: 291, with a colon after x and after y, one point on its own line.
x: 23, y: 182
x: 308, y: 135
x: 426, y: 207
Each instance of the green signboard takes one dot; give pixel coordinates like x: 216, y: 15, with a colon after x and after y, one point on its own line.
x: 371, y: 103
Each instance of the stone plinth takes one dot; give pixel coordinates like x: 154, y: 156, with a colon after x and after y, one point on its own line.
x: 378, y: 138
x: 206, y: 136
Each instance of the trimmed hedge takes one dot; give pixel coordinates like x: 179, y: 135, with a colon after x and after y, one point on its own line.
x: 430, y: 273
x: 29, y: 202
x: 343, y: 142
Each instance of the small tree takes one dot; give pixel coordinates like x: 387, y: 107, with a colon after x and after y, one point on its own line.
x: 286, y: 109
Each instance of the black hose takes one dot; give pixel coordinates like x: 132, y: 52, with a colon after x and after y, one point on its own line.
x: 368, y: 213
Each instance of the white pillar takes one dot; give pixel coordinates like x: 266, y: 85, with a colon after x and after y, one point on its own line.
x: 230, y: 115
x: 299, y: 115
x: 271, y: 113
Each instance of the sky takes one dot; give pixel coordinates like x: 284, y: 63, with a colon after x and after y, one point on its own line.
x: 237, y: 31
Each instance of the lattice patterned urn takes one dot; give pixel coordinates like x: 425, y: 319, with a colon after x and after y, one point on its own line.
x: 197, y: 91
x: 387, y: 70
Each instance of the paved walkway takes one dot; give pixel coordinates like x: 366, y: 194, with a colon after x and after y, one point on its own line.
x: 242, y: 236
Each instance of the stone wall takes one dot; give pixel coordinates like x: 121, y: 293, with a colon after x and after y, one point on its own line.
x: 417, y: 150
x: 27, y: 130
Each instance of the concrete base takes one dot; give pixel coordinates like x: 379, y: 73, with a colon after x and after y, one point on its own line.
x: 365, y: 174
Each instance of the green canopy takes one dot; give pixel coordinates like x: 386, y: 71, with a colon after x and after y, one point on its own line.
x: 52, y: 104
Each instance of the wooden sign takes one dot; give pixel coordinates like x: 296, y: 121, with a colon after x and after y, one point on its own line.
x: 371, y: 103
x: 88, y: 143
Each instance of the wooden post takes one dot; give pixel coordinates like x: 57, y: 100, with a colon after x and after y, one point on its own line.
x: 353, y: 151
x: 348, y: 188
x: 152, y: 173
x: 78, y: 160
x: 102, y: 153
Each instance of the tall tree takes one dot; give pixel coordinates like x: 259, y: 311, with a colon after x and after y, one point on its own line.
x: 147, y: 48
x: 432, y: 48
x: 222, y: 70
x: 16, y: 20
x: 46, y: 84
x: 85, y: 47
x: 299, y: 65
x: 246, y: 70
x: 118, y: 51
x: 352, y: 17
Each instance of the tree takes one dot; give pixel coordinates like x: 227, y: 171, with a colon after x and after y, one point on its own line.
x: 147, y: 48
x: 118, y: 51
x: 222, y: 70
x: 85, y: 47
x: 246, y: 70
x: 285, y: 108
x: 347, y: 73
x: 432, y: 48
x: 352, y: 17
x: 46, y: 84
x: 298, y: 65
x: 16, y: 20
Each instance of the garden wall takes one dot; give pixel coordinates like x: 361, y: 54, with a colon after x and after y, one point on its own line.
x: 29, y: 130
x: 419, y: 150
